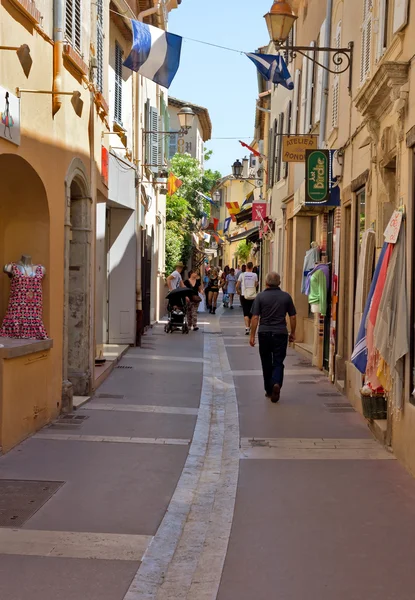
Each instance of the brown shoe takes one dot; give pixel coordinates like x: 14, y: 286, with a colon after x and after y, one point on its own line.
x: 276, y: 390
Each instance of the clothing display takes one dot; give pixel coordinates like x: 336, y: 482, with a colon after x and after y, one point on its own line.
x: 364, y: 274
x: 311, y: 258
x: 317, y: 296
x: 320, y: 267
x: 23, y: 319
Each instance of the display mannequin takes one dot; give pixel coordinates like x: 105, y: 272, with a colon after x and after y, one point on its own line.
x: 23, y: 319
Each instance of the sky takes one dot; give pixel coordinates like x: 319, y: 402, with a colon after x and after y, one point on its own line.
x: 224, y: 82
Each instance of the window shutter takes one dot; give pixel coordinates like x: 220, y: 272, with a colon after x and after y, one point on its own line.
x: 118, y: 84
x: 147, y: 121
x: 278, y: 154
x: 335, y: 102
x: 309, y: 91
x: 287, y: 131
x: 162, y: 138
x: 270, y: 142
x: 73, y: 23
x: 100, y: 46
x: 366, y: 40
x: 381, y: 45
x: 304, y: 79
x: 154, y: 139
x: 400, y: 15
x: 319, y: 82
x: 296, y: 101
x: 173, y: 139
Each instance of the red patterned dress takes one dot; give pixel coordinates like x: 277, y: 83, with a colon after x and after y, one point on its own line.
x: 23, y: 319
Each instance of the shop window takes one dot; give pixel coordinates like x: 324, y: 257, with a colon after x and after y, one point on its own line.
x: 73, y: 23
x: 118, y: 84
x: 383, y: 27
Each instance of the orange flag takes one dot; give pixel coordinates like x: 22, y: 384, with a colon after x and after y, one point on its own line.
x: 233, y: 208
x: 173, y: 184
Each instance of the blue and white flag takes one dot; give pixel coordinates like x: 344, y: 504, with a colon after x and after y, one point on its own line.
x: 155, y: 53
x: 227, y: 224
x: 206, y: 198
x: 272, y: 68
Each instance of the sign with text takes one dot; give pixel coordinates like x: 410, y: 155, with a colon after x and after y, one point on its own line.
x: 294, y: 147
x: 259, y: 211
x: 317, y: 173
x: 9, y: 117
x: 394, y: 226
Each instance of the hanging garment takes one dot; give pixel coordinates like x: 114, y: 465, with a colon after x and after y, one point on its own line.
x: 321, y: 267
x: 310, y: 260
x: 391, y: 331
x: 23, y: 319
x: 364, y: 274
x: 318, y: 292
x: 359, y: 356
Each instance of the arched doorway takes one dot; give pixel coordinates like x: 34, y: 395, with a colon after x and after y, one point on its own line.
x: 77, y: 368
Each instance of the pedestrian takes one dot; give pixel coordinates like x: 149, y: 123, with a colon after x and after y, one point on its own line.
x: 194, y: 283
x: 214, y: 285
x: 270, y: 310
x: 238, y: 271
x: 225, y: 286
x: 175, y: 280
x: 247, y: 288
x: 231, y: 280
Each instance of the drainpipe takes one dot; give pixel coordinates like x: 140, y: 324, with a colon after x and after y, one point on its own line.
x: 57, y: 54
x: 326, y: 62
x: 148, y: 12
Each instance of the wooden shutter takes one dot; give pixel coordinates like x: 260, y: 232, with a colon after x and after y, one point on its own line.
x: 154, y: 139
x: 278, y: 153
x: 319, y: 77
x: 73, y: 23
x: 162, y: 138
x: 270, y: 140
x: 336, y: 81
x: 304, y: 79
x: 147, y: 121
x: 365, y: 63
x: 271, y: 165
x: 287, y: 131
x: 309, y: 91
x: 118, y: 84
x: 100, y: 46
x: 400, y: 15
x: 296, y: 102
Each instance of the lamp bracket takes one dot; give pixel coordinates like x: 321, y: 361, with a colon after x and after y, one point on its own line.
x: 180, y: 133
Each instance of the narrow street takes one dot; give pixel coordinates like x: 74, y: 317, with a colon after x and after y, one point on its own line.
x: 182, y: 480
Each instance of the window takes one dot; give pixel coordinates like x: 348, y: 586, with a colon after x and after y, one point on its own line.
x: 287, y: 131
x: 366, y: 40
x: 319, y: 78
x: 336, y: 82
x: 73, y: 23
x: 304, y: 80
x: 309, y: 91
x: 271, y: 162
x: 296, y: 102
x: 173, y: 141
x: 383, y: 29
x: 278, y: 153
x: 154, y: 139
x: 118, y: 84
x: 360, y: 217
x: 100, y: 47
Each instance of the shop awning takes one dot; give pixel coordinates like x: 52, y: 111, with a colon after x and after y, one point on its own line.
x: 249, y: 235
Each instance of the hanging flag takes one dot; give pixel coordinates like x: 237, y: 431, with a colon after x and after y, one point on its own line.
x: 259, y: 211
x: 173, y: 184
x: 272, y: 68
x: 233, y: 207
x: 227, y: 225
x: 206, y: 237
x: 206, y: 198
x: 155, y: 54
x: 220, y: 227
x: 205, y: 222
x: 215, y: 224
x: 233, y: 217
x: 248, y: 199
x: 254, y: 152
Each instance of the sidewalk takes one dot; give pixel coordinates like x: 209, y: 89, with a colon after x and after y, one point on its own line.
x: 182, y: 480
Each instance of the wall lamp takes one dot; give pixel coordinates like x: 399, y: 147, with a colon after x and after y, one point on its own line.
x: 76, y: 99
x: 186, y: 117
x: 280, y: 20
x: 23, y: 54
x: 238, y: 169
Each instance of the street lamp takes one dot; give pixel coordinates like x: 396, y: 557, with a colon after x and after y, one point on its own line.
x: 237, y: 169
x: 186, y: 118
x: 216, y: 196
x: 280, y: 20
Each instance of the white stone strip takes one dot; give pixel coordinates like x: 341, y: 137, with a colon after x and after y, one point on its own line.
x: 186, y: 557
x: 257, y: 372
x: 69, y: 544
x: 112, y: 439
x: 312, y: 449
x: 165, y: 410
x: 185, y: 359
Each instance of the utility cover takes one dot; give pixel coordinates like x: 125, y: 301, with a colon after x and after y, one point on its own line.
x: 20, y: 500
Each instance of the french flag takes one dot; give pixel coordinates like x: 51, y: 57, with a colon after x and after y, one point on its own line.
x: 155, y: 53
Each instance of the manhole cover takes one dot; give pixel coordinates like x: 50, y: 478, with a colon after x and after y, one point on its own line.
x: 72, y: 418
x: 337, y: 405
x: 329, y: 395
x: 109, y: 396
x: 20, y: 500
x: 342, y: 410
x: 124, y: 367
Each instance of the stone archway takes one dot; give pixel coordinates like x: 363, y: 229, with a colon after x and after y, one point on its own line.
x: 77, y: 366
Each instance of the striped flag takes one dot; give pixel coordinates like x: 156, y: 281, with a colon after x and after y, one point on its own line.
x: 155, y: 54
x: 272, y: 68
x: 173, y: 184
x: 233, y: 208
x: 227, y: 224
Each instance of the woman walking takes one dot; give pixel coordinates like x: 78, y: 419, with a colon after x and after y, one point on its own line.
x: 231, y: 280
x: 193, y: 283
x: 214, y: 285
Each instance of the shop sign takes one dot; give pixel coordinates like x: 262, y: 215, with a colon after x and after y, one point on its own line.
x: 317, y: 176
x: 259, y: 211
x: 9, y: 117
x: 294, y: 147
x: 394, y: 226
x: 104, y: 165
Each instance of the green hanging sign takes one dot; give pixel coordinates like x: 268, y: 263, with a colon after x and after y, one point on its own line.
x: 317, y: 173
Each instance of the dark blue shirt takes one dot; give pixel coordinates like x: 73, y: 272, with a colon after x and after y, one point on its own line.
x: 272, y: 306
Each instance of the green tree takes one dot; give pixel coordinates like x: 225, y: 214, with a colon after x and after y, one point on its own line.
x: 243, y: 251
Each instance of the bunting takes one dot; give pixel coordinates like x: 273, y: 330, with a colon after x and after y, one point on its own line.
x: 233, y: 208
x: 227, y: 225
x: 173, y: 184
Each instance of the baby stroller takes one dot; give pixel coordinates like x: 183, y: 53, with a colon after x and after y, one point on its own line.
x: 176, y: 310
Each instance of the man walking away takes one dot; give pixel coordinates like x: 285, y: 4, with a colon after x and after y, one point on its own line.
x: 247, y: 287
x: 175, y: 280
x: 270, y: 309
